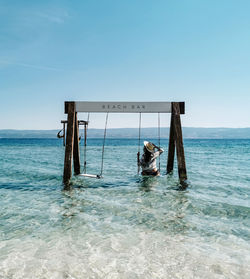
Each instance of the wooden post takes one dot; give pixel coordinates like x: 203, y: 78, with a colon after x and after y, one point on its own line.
x: 85, y: 146
x: 76, y: 151
x: 70, y: 110
x: 179, y: 142
x: 63, y: 134
x: 171, y: 147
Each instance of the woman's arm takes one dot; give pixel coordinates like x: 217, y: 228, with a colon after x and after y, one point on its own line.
x: 158, y: 148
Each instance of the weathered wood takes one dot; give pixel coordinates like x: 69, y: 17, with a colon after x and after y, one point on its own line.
x: 63, y: 134
x: 85, y: 148
x: 76, y: 151
x: 69, y: 145
x: 64, y: 122
x: 80, y: 122
x: 179, y: 142
x: 171, y: 147
x: 182, y: 107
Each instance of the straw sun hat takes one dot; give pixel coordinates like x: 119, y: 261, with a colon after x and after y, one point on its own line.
x: 150, y: 147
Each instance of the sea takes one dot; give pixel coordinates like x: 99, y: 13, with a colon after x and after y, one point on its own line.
x: 124, y: 225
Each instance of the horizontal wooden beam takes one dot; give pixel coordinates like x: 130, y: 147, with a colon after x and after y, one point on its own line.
x: 125, y: 107
x: 80, y: 122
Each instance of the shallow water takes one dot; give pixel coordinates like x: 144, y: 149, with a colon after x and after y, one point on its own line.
x: 123, y: 226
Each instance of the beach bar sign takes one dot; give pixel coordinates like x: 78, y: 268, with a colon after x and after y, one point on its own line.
x: 145, y: 107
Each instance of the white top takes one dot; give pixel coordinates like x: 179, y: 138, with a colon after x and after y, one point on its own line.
x: 151, y: 165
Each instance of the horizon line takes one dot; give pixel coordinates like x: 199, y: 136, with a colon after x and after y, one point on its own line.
x: 13, y: 129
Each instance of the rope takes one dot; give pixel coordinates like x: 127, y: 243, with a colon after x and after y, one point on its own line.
x: 139, y: 145
x: 159, y: 139
x: 85, y: 146
x: 103, y: 145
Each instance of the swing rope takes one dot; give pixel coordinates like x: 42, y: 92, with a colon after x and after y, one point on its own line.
x: 85, y: 146
x: 103, y: 145
x: 139, y: 145
x: 159, y: 139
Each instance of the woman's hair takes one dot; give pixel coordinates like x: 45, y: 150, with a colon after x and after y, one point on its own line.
x: 148, y: 155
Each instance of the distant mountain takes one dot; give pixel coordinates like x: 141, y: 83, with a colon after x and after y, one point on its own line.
x: 188, y: 132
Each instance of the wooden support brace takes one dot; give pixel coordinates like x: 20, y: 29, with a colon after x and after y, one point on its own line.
x: 171, y: 147
x: 85, y: 146
x: 76, y: 151
x: 63, y: 134
x: 69, y: 145
x: 179, y: 142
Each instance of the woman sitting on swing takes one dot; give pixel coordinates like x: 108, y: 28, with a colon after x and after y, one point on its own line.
x: 148, y: 159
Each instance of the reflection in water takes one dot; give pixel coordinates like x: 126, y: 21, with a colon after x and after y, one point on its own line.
x: 72, y: 204
x: 179, y: 221
x: 154, y: 207
x: 147, y: 183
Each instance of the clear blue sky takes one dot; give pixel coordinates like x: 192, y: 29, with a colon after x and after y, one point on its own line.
x: 197, y: 51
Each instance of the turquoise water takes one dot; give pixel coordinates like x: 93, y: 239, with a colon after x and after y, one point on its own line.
x: 123, y: 226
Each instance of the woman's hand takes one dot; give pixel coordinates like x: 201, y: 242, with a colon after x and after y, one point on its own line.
x: 155, y: 146
x: 158, y: 148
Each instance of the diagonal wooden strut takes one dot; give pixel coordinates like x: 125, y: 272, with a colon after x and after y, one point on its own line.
x: 176, y: 140
x: 171, y: 147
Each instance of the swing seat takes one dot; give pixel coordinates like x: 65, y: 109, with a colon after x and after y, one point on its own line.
x: 90, y: 175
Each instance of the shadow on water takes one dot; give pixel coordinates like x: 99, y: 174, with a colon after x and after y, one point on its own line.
x: 163, y: 210
x: 82, y: 185
x: 148, y: 183
x: 43, y: 185
x: 113, y: 182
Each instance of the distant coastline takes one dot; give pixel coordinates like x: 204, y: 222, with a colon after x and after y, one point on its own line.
x: 188, y: 133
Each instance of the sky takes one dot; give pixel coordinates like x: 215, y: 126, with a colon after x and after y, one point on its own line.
x: 196, y: 51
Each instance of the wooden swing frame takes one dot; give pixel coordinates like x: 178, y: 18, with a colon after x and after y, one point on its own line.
x: 72, y: 150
